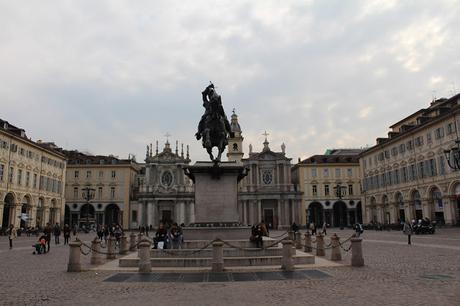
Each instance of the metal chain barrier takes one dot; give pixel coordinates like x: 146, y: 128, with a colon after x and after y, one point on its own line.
x: 278, y: 236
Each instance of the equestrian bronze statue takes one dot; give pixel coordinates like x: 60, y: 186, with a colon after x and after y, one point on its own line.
x: 214, y: 128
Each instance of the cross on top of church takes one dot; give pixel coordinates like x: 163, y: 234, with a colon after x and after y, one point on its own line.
x: 265, y: 134
x: 167, y: 135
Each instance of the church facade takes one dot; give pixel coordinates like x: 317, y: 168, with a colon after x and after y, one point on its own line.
x: 164, y: 193
x: 267, y: 192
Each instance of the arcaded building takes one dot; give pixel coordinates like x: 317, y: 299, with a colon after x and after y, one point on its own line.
x: 331, y: 188
x: 32, y: 179
x: 407, y: 174
x: 109, y: 181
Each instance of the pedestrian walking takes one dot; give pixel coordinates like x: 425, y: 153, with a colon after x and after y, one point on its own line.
x: 66, y: 234
x: 57, y: 233
x: 11, y: 235
x: 358, y: 229
x: 313, y: 228
x: 407, y: 229
x: 47, y: 232
x: 323, y: 231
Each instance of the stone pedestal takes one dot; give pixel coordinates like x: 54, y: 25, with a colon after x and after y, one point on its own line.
x: 216, y: 201
x: 287, y: 262
x: 298, y: 240
x: 74, y: 264
x: 124, y: 246
x: 111, y: 248
x: 320, y: 245
x: 145, y: 265
x: 132, y: 242
x: 96, y: 258
x: 217, y: 257
x: 307, y: 246
x: 336, y: 255
x: 357, y: 259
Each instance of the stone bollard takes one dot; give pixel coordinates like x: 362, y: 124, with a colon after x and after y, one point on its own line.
x: 291, y: 235
x: 145, y: 265
x: 132, y: 242
x: 357, y: 259
x: 287, y: 262
x: 111, y: 248
x: 336, y: 254
x: 124, y: 247
x: 74, y: 264
x: 307, y: 246
x: 298, y: 240
x: 139, y: 237
x: 320, y: 245
x: 217, y: 257
x: 95, y: 252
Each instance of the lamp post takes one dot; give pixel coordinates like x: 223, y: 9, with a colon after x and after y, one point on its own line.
x: 88, y: 195
x: 338, y: 189
x: 453, y: 156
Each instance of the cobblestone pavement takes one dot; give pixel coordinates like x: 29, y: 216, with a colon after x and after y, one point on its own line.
x: 426, y: 273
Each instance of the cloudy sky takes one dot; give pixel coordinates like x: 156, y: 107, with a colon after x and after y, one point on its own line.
x: 108, y: 77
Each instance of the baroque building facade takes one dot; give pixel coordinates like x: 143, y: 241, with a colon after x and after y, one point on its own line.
x: 111, y: 183
x: 164, y: 193
x: 32, y: 179
x: 267, y: 192
x: 406, y: 175
x: 331, y: 188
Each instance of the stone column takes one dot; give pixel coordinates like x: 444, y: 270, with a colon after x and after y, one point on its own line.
x: 336, y: 255
x: 149, y: 213
x: 426, y: 209
x: 298, y: 240
x: 192, y: 212
x: 307, y: 247
x: 259, y: 211
x: 278, y: 207
x: 96, y: 258
x: 140, y: 213
x: 217, y: 257
x: 33, y: 216
x: 293, y: 214
x: 145, y: 265
x: 124, y: 246
x: 2, y: 205
x: 132, y: 241
x: 320, y: 245
x: 449, y: 209
x: 357, y: 259
x: 182, y: 213
x: 287, y: 262
x: 74, y: 264
x: 46, y: 215
x: 155, y: 220
x: 286, y: 213
x: 111, y: 248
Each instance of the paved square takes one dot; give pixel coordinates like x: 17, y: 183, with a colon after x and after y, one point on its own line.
x: 426, y: 273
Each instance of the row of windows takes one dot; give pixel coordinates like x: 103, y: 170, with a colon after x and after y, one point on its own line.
x: 449, y: 129
x: 30, y: 154
x: 76, y: 195
x: 415, y: 171
x: 113, y: 174
x: 338, y: 172
x: 337, y: 189
x: 29, y: 179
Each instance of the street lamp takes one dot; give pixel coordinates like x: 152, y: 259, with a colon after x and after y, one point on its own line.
x: 453, y: 156
x: 88, y: 195
x: 338, y: 189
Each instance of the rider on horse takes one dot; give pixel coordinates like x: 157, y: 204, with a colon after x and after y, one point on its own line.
x: 214, y: 127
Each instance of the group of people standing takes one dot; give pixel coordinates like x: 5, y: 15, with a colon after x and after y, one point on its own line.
x: 168, y: 238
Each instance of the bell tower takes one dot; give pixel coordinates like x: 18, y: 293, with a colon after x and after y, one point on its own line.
x: 235, y: 144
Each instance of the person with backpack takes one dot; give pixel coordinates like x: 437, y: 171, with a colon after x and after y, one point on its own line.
x: 358, y: 230
x: 47, y: 232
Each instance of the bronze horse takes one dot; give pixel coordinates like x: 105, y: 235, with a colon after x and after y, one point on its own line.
x: 214, y: 128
